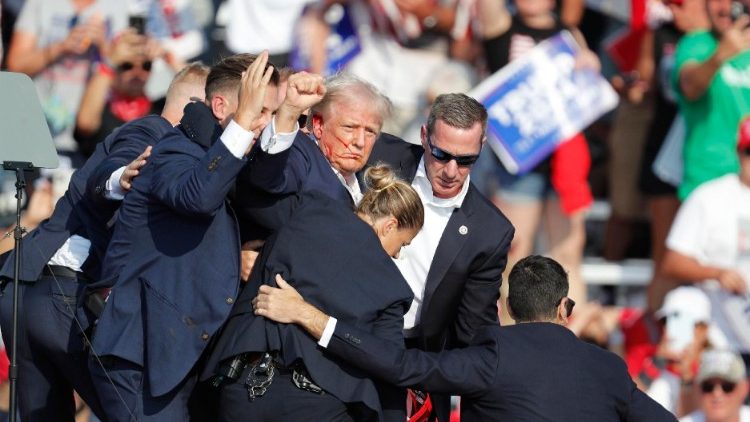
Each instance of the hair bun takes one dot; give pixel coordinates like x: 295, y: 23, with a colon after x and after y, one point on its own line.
x: 389, y: 196
x: 380, y: 177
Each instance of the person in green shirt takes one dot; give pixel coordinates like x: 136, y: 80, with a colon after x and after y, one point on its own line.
x: 712, y: 77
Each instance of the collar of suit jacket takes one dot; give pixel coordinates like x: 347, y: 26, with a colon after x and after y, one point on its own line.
x: 199, y: 124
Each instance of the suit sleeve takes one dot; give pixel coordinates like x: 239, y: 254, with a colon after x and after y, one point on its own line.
x: 478, y: 305
x: 467, y: 371
x: 389, y: 326
x: 279, y: 174
x: 271, y: 211
x: 193, y: 185
x: 128, y: 143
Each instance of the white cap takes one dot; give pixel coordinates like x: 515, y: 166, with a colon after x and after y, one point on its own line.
x: 722, y: 364
x: 686, y: 302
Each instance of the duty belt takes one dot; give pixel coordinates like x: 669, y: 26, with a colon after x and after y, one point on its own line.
x: 263, y: 367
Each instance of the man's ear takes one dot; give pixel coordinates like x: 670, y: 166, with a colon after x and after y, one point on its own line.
x: 744, y: 387
x: 219, y: 106
x: 423, y: 136
x: 317, y: 125
x: 510, y: 310
x: 562, y: 313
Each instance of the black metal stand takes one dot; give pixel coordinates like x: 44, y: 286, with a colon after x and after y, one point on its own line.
x: 19, y: 167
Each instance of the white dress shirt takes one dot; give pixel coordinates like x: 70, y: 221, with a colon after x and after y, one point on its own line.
x: 73, y: 253
x: 414, y: 260
x: 351, y: 184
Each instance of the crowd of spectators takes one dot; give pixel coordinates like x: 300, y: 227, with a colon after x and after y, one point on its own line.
x: 676, y: 155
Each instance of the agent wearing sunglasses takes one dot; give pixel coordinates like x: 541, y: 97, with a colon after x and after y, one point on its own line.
x: 534, y: 370
x: 115, y: 94
x: 721, y: 386
x: 455, y: 264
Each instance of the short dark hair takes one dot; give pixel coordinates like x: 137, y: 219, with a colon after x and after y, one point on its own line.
x: 227, y: 73
x: 457, y: 110
x: 536, y: 285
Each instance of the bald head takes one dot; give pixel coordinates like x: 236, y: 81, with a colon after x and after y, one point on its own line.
x: 187, y: 85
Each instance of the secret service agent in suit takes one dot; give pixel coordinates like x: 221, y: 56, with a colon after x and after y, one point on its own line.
x: 454, y: 266
x: 63, y: 254
x: 344, y: 127
x: 536, y: 370
x: 173, y: 261
x: 339, y: 259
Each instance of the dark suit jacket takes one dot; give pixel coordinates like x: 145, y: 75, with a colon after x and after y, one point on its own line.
x: 272, y: 177
x: 337, y: 262
x: 525, y: 372
x: 80, y: 212
x: 463, y: 283
x: 173, y: 262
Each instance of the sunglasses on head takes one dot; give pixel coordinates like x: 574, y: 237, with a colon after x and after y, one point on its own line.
x: 445, y: 157
x: 130, y: 66
x: 709, y: 386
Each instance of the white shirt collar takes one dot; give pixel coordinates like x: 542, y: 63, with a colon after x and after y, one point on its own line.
x: 351, y: 184
x: 424, y: 188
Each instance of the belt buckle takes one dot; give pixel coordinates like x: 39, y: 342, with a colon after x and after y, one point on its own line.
x: 303, y: 382
x: 260, y: 377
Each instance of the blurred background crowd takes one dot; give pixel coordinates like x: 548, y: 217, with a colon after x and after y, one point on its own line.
x: 648, y: 208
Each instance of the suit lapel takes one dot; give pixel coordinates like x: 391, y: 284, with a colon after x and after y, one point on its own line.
x: 453, y: 239
x: 407, y: 165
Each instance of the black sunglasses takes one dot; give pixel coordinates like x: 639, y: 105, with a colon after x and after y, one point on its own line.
x: 130, y: 66
x: 445, y: 157
x: 709, y: 386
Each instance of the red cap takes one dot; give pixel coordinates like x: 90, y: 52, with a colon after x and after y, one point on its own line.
x: 743, y: 138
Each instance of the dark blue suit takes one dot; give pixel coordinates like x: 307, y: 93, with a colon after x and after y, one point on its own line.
x: 525, y: 372
x: 463, y: 282
x: 173, y: 265
x: 271, y: 177
x: 337, y: 262
x: 87, y: 213
x: 52, y: 359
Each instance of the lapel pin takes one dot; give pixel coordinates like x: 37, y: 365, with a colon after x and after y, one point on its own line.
x: 463, y: 229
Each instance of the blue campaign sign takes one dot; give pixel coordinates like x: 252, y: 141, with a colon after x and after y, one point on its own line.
x: 539, y: 100
x: 342, y: 44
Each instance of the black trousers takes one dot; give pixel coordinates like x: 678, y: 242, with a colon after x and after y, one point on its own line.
x: 283, y: 401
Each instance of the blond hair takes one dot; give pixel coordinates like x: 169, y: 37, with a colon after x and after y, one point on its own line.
x: 344, y: 87
x: 387, y: 195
